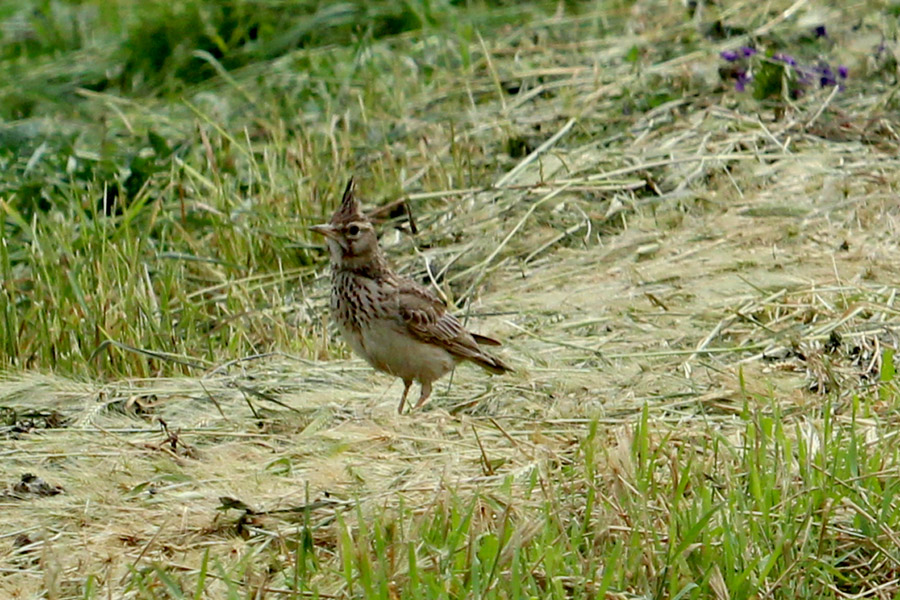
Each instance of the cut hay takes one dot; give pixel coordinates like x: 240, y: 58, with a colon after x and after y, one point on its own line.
x: 708, y: 262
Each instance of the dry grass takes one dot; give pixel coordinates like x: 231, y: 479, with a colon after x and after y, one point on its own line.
x: 701, y: 263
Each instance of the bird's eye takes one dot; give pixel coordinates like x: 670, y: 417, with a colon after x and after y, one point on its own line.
x: 353, y: 230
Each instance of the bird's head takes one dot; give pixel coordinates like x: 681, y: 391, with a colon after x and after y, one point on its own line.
x: 350, y: 235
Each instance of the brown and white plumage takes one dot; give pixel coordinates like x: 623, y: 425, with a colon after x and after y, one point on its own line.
x: 397, y: 325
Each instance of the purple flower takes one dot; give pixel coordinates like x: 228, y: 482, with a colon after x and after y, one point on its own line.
x: 842, y: 71
x: 826, y: 75
x: 786, y: 59
x: 804, y: 77
x: 729, y: 55
x: 747, y: 51
x: 820, y: 31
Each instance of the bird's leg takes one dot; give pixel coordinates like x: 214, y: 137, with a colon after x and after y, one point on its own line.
x: 406, y: 384
x: 426, y: 391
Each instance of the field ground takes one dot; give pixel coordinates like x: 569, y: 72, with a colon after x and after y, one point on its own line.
x: 697, y: 289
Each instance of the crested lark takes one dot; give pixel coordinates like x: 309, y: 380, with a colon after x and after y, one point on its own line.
x: 394, y: 323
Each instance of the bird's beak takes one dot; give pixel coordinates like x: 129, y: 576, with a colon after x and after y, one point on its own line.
x: 326, y: 230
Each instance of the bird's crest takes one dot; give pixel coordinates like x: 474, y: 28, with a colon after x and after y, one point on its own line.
x: 349, y: 210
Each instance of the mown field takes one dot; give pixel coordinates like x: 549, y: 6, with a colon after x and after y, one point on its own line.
x: 681, y: 218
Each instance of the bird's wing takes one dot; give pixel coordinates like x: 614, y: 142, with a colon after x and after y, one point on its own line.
x: 426, y: 318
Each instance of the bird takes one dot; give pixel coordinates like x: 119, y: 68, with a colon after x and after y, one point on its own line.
x: 397, y: 325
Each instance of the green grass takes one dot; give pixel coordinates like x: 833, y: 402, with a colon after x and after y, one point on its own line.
x: 801, y: 511
x: 171, y: 217
x: 162, y: 162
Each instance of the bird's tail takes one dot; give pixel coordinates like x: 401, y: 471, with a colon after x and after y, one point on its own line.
x: 491, y: 363
x: 485, y: 340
